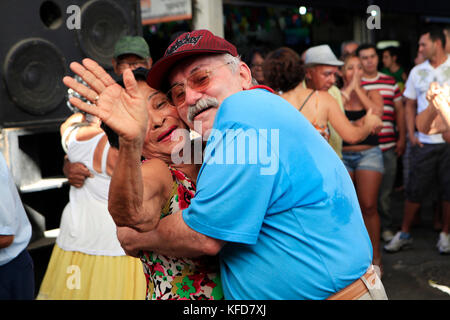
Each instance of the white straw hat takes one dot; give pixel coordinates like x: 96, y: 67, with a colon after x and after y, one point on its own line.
x: 321, y: 55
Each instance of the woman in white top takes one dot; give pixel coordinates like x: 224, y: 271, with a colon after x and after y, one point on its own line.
x: 87, y: 261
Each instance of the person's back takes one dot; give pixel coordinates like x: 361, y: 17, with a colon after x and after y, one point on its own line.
x: 311, y: 105
x: 84, y: 151
x: 86, y: 222
x: 88, y: 241
x: 291, y: 241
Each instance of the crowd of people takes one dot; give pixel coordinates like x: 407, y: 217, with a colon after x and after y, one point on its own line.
x: 141, y: 225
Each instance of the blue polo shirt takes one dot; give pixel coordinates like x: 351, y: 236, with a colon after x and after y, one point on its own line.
x: 277, y: 193
x: 13, y: 219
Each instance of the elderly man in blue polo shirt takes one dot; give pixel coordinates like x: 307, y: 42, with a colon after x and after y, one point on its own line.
x: 287, y: 226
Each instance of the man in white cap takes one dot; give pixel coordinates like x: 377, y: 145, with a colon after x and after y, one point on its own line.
x: 321, y: 66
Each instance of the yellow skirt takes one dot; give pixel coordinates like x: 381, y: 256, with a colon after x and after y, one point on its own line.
x: 73, y: 275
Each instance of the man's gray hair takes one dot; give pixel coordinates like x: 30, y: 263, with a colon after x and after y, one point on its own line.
x: 232, y: 61
x: 234, y: 64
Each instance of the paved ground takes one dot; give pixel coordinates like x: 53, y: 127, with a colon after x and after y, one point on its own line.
x: 406, y: 273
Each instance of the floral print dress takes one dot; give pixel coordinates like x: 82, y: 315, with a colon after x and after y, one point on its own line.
x: 170, y: 278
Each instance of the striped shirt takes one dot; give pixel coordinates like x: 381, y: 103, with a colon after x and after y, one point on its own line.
x: 388, y: 88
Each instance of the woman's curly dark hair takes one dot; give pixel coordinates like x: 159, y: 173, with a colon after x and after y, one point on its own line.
x: 283, y: 69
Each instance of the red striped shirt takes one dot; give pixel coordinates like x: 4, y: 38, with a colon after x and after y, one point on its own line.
x: 388, y: 89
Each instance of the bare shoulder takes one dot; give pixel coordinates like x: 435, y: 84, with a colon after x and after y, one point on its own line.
x: 304, y: 93
x: 327, y: 99
x: 325, y: 95
x: 156, y: 170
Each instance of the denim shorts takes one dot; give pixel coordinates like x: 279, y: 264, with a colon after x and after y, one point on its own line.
x: 370, y: 159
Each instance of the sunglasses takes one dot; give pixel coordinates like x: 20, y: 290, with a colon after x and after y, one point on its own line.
x: 199, y: 81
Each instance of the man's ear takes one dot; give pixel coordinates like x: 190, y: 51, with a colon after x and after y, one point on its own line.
x: 246, y: 75
x: 308, y: 73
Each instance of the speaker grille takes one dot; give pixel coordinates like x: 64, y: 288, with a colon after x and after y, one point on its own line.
x: 33, y: 70
x: 102, y: 23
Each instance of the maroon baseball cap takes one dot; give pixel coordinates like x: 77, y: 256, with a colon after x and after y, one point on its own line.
x: 186, y: 45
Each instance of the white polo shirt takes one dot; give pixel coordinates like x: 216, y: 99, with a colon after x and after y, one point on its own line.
x: 419, y: 80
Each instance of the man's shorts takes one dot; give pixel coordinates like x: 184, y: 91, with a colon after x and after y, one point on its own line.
x: 429, y: 166
x: 370, y: 159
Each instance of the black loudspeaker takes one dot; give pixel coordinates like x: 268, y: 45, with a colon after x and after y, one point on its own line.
x: 39, y: 40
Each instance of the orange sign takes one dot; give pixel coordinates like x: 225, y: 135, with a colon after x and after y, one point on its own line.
x: 157, y: 11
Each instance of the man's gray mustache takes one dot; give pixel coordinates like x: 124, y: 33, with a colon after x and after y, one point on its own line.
x: 201, y: 105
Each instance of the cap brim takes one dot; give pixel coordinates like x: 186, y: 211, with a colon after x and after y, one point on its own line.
x: 159, y: 71
x: 128, y: 52
x: 334, y: 64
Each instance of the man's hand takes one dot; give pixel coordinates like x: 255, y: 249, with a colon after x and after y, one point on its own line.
x: 415, y: 141
x: 400, y: 146
x: 6, y: 241
x: 410, y: 120
x: 76, y: 172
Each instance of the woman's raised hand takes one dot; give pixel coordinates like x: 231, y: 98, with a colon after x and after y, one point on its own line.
x: 123, y: 110
x: 353, y: 85
x: 93, y: 74
x: 356, y: 79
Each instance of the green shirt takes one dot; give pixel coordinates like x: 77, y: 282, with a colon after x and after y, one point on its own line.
x: 397, y: 75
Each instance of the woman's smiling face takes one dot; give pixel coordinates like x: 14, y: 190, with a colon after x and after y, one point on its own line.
x: 162, y: 138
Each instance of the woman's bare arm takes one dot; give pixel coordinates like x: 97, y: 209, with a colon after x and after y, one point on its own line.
x: 347, y: 130
x: 371, y: 99
x: 138, y: 191
x: 172, y: 237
